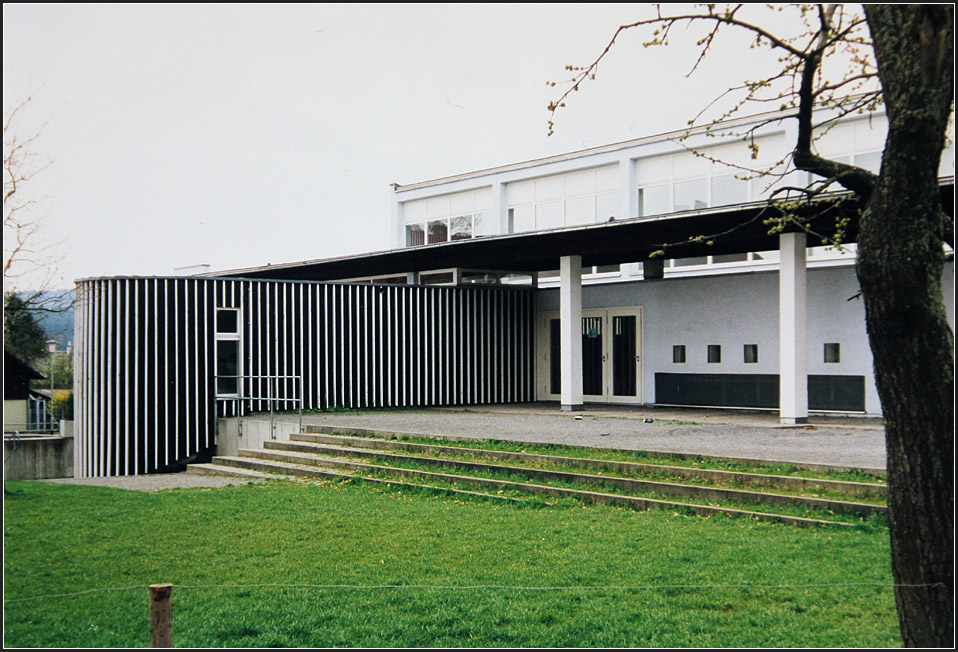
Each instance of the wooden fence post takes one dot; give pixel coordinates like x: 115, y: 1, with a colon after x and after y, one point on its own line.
x: 161, y: 615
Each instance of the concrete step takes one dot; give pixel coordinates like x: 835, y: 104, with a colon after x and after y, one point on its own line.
x: 249, y: 463
x: 372, y: 448
x: 390, y: 436
x: 300, y: 463
x: 220, y: 469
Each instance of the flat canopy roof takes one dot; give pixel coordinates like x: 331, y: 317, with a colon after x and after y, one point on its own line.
x: 730, y: 229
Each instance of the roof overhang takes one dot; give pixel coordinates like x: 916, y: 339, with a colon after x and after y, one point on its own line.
x: 714, y: 231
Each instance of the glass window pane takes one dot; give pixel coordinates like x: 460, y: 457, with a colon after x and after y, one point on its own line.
x: 549, y: 216
x: 414, y: 211
x: 730, y: 258
x: 678, y: 354
x: 555, y: 360
x: 833, y: 352
x: 655, y: 200
x: 227, y: 366
x: 607, y: 179
x: 761, y: 187
x: 691, y: 195
x: 415, y: 235
x: 227, y: 321
x: 751, y: 353
x: 521, y: 192
x: 485, y: 224
x: 549, y: 188
x: 462, y: 203
x: 608, y: 269
x: 437, y: 207
x: 606, y: 206
x: 580, y: 183
x: 437, y: 278
x: 870, y: 161
x: 460, y: 227
x: 516, y: 279
x: 580, y: 210
x: 771, y: 256
x: 715, y: 353
x: 483, y: 199
x: 686, y: 262
x: 438, y: 231
x: 623, y: 355
x: 727, y: 190
x: 523, y: 218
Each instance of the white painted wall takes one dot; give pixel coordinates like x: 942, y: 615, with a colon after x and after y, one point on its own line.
x: 738, y: 309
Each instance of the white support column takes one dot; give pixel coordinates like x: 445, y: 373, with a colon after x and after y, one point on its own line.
x: 628, y: 189
x: 792, y: 330
x: 570, y: 331
x: 500, y: 207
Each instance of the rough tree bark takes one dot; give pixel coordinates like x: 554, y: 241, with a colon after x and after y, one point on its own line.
x: 900, y: 262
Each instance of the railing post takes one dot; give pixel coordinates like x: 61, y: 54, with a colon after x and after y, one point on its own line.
x: 272, y: 427
x: 161, y: 615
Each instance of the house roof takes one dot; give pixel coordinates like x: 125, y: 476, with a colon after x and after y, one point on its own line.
x: 712, y: 231
x: 17, y: 375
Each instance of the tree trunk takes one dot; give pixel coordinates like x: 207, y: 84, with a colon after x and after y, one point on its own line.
x: 900, y: 264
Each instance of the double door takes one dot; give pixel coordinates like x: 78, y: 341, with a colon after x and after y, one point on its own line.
x: 611, y: 356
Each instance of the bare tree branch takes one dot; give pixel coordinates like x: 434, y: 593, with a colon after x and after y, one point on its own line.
x: 28, y: 259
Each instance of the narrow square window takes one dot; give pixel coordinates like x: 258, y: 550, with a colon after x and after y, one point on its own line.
x: 751, y: 353
x: 833, y: 352
x: 227, y: 321
x: 715, y: 352
x: 678, y: 354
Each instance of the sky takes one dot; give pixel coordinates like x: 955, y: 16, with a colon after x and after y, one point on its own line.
x: 237, y: 136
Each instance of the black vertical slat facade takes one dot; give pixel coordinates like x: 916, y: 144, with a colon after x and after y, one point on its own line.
x: 146, y: 357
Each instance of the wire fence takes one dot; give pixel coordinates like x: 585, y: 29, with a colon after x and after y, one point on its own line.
x: 483, y: 587
x: 161, y: 595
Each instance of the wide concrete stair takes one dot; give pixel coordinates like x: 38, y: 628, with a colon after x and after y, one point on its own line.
x: 369, y: 456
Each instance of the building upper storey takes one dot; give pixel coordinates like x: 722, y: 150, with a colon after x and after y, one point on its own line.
x: 742, y: 161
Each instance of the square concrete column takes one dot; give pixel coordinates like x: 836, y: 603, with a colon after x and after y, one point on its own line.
x: 570, y: 331
x: 792, y: 330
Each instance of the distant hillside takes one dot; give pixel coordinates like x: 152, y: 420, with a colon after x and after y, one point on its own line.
x: 59, y: 325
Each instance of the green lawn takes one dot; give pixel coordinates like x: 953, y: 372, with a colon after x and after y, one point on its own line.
x: 456, y: 572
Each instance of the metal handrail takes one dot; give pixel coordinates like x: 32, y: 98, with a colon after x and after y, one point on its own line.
x: 269, y: 398
x: 19, y: 429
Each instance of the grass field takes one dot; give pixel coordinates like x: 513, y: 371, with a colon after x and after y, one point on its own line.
x: 394, y: 569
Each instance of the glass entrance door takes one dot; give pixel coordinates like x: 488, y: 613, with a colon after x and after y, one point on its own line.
x: 593, y: 358
x: 611, y: 356
x: 625, y: 358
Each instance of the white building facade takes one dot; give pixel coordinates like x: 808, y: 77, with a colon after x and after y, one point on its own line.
x: 751, y: 329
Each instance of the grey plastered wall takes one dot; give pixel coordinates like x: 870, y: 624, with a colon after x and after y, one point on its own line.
x: 733, y: 310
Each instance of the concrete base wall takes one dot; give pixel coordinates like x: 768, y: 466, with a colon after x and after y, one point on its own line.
x: 36, y: 458
x: 236, y: 433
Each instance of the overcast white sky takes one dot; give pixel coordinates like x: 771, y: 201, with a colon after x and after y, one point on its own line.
x: 241, y: 135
